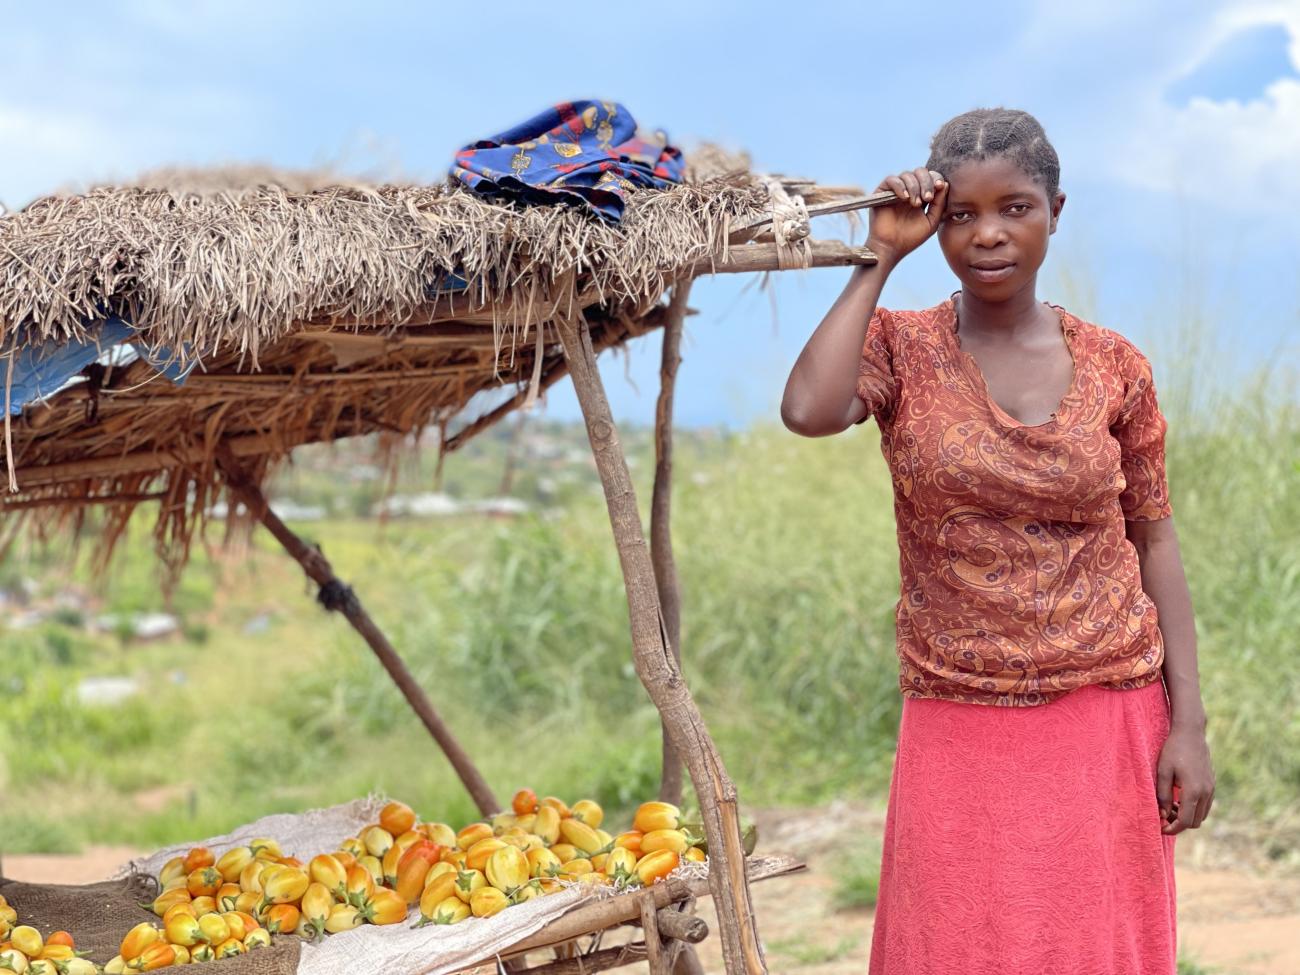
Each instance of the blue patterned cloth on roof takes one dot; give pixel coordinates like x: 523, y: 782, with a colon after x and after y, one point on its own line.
x: 586, y: 151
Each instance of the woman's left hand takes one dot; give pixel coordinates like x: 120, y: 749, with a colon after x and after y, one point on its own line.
x: 1184, y: 780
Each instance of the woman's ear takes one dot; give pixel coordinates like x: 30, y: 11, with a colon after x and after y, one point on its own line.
x: 1057, y: 205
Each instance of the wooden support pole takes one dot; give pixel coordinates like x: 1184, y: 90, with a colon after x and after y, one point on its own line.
x: 596, y: 961
x: 655, y: 955
x: 661, y: 536
x: 657, y: 668
x: 335, y: 595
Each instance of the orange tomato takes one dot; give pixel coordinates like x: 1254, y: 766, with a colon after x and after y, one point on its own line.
x: 629, y: 840
x: 477, y: 856
x: 60, y: 938
x: 158, y: 955
x: 282, y: 919
x: 197, y: 858
x: 656, y: 815
x: 386, y: 907
x: 653, y: 867
x: 472, y: 833
x: 203, y: 882
x: 524, y: 802
x: 397, y: 818
x: 414, y: 867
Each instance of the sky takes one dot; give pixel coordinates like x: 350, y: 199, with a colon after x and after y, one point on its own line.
x: 1177, y: 125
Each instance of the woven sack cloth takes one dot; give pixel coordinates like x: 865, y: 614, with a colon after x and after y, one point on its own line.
x: 99, y: 915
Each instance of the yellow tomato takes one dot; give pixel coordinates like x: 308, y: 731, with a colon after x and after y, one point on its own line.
x: 173, y: 868
x: 507, y: 869
x: 168, y: 899
x: 664, y: 839
x: 656, y: 815
x: 542, y: 862
x: 286, y: 887
x: 580, y: 835
x: 183, y: 929
x: 439, y: 833
x: 137, y: 940
x: 257, y: 938
x: 377, y: 840
x: 386, y: 907
x: 589, y: 812
x: 343, y: 917
x: 453, y: 910
x: 316, y: 906
x: 232, y: 863
x: 27, y: 940
x: 487, y: 901
x: 264, y: 847
x: 468, y: 881
x: 477, y: 856
x: 327, y: 871
x: 214, y: 928
x: 443, y: 886
x: 546, y: 824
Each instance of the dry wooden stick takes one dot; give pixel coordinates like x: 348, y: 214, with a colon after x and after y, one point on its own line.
x: 335, y: 595
x: 657, y: 668
x: 606, y: 912
x: 763, y: 257
x: 832, y: 206
x: 661, y: 537
x: 654, y: 946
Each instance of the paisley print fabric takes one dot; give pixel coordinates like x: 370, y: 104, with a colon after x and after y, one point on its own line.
x: 1018, y: 583
x: 1028, y: 842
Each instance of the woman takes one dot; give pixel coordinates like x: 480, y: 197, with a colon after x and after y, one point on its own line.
x: 1052, y: 741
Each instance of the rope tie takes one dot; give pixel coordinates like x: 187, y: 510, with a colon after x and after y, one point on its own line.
x: 790, y: 227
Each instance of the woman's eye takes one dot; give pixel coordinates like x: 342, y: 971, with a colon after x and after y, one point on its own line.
x: 1022, y: 206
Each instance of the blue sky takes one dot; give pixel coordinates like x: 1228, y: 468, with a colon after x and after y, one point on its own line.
x: 1177, y: 124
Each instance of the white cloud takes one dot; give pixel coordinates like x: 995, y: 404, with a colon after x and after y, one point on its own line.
x: 1238, y: 153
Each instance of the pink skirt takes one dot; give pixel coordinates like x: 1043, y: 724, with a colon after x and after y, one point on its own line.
x: 1027, y: 840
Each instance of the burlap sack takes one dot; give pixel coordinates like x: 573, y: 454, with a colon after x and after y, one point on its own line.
x: 99, y: 915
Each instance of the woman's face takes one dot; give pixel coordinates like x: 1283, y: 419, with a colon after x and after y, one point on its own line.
x: 995, y: 227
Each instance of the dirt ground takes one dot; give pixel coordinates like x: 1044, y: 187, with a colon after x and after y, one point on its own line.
x: 1238, y: 912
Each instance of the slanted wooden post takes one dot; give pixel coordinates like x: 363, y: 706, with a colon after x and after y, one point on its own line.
x: 661, y: 536
x: 335, y: 595
x: 657, y: 668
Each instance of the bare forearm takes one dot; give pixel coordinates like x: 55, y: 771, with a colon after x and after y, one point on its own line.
x: 1165, y: 582
x: 822, y: 382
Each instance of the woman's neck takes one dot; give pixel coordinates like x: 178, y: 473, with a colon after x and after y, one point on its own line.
x: 1010, y: 319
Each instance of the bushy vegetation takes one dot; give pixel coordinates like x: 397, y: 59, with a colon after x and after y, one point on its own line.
x: 518, y: 629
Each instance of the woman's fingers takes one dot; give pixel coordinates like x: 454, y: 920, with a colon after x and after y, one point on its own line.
x: 913, y: 188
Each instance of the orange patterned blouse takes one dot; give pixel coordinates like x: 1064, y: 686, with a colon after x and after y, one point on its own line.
x: 1018, y: 583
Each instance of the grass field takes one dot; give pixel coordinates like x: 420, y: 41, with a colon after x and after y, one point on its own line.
x: 518, y: 629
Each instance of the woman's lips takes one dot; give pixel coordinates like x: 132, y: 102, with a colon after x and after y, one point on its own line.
x: 997, y: 274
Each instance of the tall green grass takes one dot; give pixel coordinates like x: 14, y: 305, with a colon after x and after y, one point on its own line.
x: 788, y: 563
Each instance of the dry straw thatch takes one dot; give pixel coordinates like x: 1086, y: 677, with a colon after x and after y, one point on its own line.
x: 305, y: 304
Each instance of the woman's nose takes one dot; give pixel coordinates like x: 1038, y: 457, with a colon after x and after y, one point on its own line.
x: 990, y: 233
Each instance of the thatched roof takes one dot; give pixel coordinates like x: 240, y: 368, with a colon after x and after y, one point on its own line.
x: 309, y: 309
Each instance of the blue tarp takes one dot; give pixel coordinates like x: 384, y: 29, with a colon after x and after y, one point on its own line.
x: 41, y: 371
x: 585, y: 151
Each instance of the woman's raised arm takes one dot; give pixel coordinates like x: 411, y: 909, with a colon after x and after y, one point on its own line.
x: 820, y: 395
